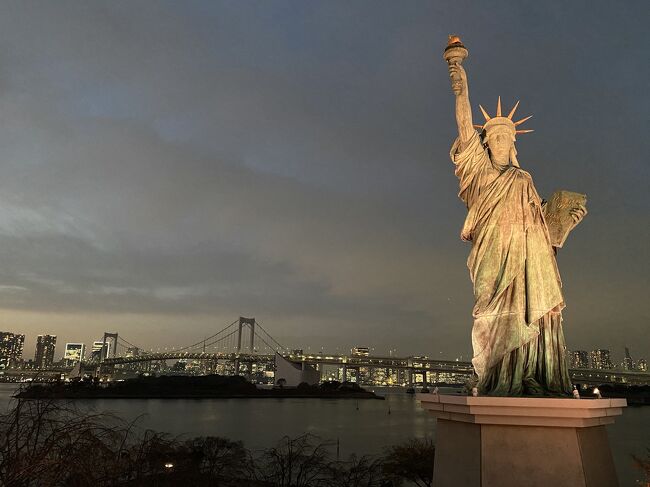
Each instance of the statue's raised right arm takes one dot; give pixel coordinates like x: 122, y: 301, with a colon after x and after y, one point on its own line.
x: 463, y: 108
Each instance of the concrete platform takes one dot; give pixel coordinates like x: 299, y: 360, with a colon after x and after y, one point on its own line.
x: 515, y: 441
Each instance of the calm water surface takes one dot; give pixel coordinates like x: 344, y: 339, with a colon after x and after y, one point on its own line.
x: 362, y: 427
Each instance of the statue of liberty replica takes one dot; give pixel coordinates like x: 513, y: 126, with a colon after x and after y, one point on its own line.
x: 517, y: 337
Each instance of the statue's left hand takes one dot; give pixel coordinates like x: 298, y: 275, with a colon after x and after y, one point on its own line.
x: 578, y: 213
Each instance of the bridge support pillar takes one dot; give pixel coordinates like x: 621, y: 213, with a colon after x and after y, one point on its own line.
x: 345, y: 373
x: 103, y: 354
x: 409, y: 377
x: 251, y: 324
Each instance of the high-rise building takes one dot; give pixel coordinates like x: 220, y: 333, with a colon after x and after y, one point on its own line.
x: 579, y: 359
x: 44, y: 356
x: 132, y: 352
x: 360, y: 351
x: 11, y: 349
x: 600, y: 359
x: 96, y: 352
x: 628, y: 363
x: 642, y: 365
x: 74, y: 352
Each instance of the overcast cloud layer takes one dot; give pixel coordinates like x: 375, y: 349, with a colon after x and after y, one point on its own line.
x: 168, y: 166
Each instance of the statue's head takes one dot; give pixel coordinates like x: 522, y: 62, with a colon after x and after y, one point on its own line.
x: 501, y: 143
x: 499, y: 133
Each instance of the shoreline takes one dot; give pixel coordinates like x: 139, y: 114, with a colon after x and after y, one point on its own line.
x: 214, y: 396
x: 201, y: 387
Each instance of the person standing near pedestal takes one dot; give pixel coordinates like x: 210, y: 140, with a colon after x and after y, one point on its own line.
x: 517, y: 336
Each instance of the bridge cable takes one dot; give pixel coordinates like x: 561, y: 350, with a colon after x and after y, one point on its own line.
x: 270, y: 346
x: 120, y: 339
x: 269, y: 335
x: 200, y: 343
x: 279, y: 345
x: 210, y: 343
x: 221, y: 339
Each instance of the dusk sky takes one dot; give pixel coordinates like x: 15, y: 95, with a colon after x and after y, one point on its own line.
x: 166, y: 167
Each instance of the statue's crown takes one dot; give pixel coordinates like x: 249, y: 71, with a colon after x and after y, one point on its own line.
x: 502, y: 122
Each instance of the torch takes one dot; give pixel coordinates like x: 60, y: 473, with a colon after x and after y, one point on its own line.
x: 455, y: 53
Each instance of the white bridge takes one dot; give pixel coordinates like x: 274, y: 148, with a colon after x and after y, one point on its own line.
x: 230, y: 339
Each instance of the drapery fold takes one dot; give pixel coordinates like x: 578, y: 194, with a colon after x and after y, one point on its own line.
x: 517, y: 286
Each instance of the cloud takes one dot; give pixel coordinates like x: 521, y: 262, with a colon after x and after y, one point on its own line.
x: 291, y: 162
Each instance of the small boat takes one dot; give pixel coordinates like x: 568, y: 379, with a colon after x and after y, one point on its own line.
x: 410, y: 390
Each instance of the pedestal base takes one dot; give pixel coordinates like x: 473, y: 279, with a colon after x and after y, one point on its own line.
x: 512, y: 441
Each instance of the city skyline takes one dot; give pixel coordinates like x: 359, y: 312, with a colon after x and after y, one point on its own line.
x: 168, y: 168
x: 600, y: 358
x: 30, y: 345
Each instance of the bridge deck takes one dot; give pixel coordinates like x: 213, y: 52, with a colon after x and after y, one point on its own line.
x: 353, y: 362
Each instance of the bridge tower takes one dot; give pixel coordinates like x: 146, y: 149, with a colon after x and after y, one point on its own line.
x: 113, y: 352
x: 251, y: 323
x: 243, y: 322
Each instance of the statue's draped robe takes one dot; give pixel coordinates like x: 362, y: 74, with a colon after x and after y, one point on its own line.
x: 517, y: 335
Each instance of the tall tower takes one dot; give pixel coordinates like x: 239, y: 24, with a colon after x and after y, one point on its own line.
x: 11, y: 349
x: 45, y: 345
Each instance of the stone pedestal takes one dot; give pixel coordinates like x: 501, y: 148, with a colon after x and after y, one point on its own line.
x: 516, y: 441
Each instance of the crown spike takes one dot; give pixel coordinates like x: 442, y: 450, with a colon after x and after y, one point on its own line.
x: 523, y: 120
x: 523, y: 131
x: 514, y: 109
x: 499, y: 107
x: 485, y: 114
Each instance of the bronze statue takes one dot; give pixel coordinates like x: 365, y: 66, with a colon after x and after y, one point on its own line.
x: 517, y: 336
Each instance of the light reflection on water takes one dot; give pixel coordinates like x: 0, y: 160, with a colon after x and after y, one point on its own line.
x: 259, y: 423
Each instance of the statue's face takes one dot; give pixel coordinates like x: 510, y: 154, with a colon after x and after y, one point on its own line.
x: 500, y: 143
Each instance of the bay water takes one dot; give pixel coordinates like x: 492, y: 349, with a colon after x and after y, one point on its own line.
x: 362, y: 427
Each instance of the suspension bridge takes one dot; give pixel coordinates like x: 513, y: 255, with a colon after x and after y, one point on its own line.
x: 225, y: 343
x: 245, y: 342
